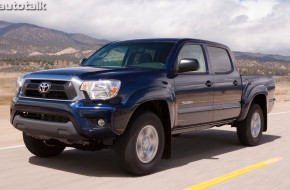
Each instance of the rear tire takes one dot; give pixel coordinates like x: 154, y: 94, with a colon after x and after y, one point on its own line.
x: 140, y: 148
x: 250, y: 130
x: 42, y: 148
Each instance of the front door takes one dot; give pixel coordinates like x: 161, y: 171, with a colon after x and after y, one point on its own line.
x: 194, y: 90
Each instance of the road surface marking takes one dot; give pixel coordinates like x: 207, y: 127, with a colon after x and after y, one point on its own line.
x: 279, y: 113
x: 234, y: 174
x: 10, y: 147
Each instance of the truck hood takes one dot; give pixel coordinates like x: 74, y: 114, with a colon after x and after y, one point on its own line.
x: 90, y: 73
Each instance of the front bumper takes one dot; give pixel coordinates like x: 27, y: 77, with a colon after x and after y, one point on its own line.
x: 81, y: 124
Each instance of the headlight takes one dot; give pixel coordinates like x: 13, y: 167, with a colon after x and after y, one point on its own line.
x: 101, y: 89
x: 19, y: 83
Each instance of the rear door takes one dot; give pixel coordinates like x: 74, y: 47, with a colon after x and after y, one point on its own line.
x: 194, y: 90
x: 227, y: 84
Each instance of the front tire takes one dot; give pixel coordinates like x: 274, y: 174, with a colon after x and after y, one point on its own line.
x: 42, y: 148
x: 140, y: 148
x: 250, y: 130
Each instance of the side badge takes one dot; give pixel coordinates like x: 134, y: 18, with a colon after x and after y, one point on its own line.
x: 186, y: 102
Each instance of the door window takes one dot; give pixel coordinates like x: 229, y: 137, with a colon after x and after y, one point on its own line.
x: 190, y: 51
x: 219, y: 59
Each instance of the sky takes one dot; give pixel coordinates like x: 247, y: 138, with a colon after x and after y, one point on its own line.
x: 243, y: 25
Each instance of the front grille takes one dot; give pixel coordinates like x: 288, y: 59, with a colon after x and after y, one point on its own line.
x: 61, y: 90
x: 44, y: 117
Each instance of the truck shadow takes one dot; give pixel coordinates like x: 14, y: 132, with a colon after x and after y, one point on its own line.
x: 186, y: 148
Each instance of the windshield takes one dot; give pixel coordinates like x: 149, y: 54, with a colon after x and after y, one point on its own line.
x: 142, y: 54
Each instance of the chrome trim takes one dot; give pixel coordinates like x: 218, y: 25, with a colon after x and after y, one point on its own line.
x: 186, y: 102
x: 76, y: 81
x: 44, y: 87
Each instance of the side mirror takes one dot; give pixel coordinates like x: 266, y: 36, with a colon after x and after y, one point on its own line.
x: 186, y: 65
x: 82, y: 61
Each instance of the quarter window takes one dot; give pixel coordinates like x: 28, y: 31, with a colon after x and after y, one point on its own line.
x: 219, y: 59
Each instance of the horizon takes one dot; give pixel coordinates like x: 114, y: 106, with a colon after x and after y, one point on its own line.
x: 270, y: 54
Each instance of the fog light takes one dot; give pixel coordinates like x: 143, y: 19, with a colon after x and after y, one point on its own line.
x: 101, y: 122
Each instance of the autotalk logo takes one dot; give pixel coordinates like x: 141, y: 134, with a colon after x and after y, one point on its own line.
x: 38, y: 6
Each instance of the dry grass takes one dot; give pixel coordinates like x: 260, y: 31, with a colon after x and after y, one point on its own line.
x: 5, y: 100
x: 282, y: 91
x: 7, y: 87
x: 8, y: 82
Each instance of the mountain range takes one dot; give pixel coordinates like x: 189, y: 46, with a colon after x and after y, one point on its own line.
x: 23, y: 40
x: 261, y: 58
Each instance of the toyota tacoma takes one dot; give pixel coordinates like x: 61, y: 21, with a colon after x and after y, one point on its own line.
x: 133, y: 96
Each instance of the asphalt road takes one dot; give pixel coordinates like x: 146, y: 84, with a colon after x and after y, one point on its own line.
x: 196, y: 157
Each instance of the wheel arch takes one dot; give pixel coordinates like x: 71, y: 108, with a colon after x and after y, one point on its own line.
x: 162, y: 110
x: 261, y: 100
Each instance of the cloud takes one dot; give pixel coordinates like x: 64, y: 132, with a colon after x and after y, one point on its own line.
x: 241, y: 19
x: 248, y: 25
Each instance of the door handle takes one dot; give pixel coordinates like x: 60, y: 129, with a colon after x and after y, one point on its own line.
x: 208, y: 83
x: 235, y: 82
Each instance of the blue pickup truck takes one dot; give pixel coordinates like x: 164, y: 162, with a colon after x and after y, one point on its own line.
x: 133, y: 96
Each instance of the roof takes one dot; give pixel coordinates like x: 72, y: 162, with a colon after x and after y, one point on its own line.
x: 174, y: 40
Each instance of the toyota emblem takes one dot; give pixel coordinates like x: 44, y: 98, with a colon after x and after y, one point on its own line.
x: 44, y: 87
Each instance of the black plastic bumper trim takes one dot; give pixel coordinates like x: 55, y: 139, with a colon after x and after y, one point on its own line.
x: 46, y: 128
